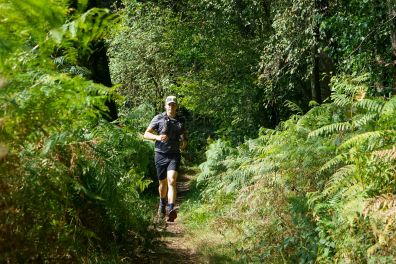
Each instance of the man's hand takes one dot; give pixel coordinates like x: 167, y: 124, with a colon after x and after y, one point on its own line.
x: 149, y: 134
x: 163, y: 138
x: 183, y: 144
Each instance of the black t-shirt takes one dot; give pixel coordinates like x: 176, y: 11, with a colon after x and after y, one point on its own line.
x: 172, y: 127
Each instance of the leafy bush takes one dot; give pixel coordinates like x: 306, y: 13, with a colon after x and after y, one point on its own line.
x: 70, y: 181
x: 312, y: 189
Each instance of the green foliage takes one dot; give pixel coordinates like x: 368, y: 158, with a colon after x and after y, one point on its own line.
x: 70, y: 181
x: 136, y: 118
x: 139, y: 54
x: 210, y: 65
x: 310, y: 190
x: 77, y: 36
x: 215, y: 156
x: 339, y: 207
x: 234, y: 64
x: 370, y: 25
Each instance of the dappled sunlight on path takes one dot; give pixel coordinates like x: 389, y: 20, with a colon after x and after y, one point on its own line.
x: 175, y: 245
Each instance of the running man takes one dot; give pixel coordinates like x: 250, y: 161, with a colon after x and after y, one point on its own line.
x: 168, y: 131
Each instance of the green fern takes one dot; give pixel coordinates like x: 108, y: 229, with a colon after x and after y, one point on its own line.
x: 69, y: 176
x: 339, y: 180
x: 372, y: 139
x: 294, y: 107
x: 341, y: 100
x: 331, y: 129
x: 386, y: 155
x: 362, y: 121
x: 370, y: 105
x: 389, y: 107
x: 93, y: 25
x: 334, y: 162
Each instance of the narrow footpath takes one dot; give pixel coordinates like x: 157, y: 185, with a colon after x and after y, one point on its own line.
x: 176, y: 245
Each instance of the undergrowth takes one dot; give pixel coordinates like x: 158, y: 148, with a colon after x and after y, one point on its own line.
x: 71, y: 181
x: 318, y: 188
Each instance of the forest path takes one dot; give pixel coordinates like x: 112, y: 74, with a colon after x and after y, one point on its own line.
x: 175, y: 244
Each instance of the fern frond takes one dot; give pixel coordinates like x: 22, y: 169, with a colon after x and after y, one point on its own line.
x: 93, y: 25
x: 360, y: 139
x: 385, y: 203
x: 362, y: 121
x: 370, y: 105
x: 52, y: 141
x: 331, y: 129
x: 351, y: 86
x: 267, y: 150
x: 338, y: 179
x: 318, y: 111
x: 352, y: 203
x: 293, y: 107
x: 341, y: 100
x: 372, y: 138
x: 334, y: 162
x: 386, y: 155
x: 389, y: 107
x: 381, y: 212
x: 78, y: 70
x: 335, y: 195
x: 342, y: 173
x: 319, y: 114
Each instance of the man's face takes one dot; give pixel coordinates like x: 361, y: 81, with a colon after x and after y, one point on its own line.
x: 171, y: 109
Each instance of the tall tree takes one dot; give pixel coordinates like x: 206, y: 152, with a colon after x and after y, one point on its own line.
x: 392, y: 18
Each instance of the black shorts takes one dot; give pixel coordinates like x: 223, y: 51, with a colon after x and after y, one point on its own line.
x: 166, y: 162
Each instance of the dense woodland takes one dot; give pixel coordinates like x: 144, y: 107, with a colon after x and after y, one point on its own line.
x: 291, y: 118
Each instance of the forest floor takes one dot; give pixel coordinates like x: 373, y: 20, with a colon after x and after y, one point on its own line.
x: 176, y: 245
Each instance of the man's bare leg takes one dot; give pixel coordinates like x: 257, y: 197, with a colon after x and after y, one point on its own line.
x: 172, y: 177
x: 172, y: 192
x: 163, y: 190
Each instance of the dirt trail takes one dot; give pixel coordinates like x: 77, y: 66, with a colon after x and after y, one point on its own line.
x: 176, y: 245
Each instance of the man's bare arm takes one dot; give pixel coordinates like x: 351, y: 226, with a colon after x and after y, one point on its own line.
x: 149, y: 134
x: 183, y: 142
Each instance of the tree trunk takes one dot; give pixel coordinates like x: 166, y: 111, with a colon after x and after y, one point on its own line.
x: 392, y: 16
x: 315, y: 75
x: 98, y: 63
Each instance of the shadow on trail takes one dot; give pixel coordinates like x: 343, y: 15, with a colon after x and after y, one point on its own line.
x: 174, y: 245
x: 169, y: 253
